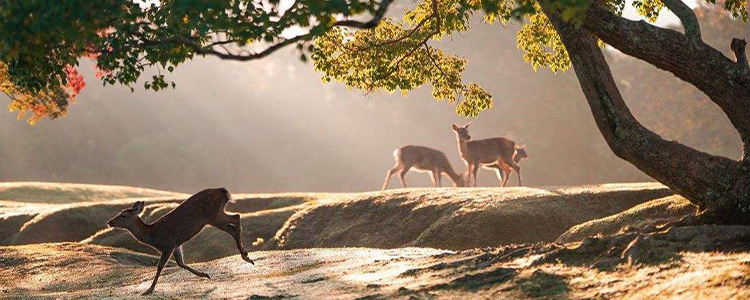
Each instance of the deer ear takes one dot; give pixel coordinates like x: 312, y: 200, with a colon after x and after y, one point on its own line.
x: 455, y: 127
x: 467, y: 125
x: 138, y: 207
x: 522, y: 147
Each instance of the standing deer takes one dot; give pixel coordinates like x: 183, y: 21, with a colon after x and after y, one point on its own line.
x: 500, y: 172
x: 422, y: 159
x: 494, y: 151
x: 168, y: 233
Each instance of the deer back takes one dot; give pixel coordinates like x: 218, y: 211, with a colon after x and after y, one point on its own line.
x: 488, y: 150
x: 423, y: 157
x: 187, y: 219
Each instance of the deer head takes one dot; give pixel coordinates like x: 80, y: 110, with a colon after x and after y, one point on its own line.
x: 461, y: 180
x: 520, y: 153
x: 462, y: 132
x: 127, y: 217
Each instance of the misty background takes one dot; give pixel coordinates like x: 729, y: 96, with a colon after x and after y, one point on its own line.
x: 272, y: 125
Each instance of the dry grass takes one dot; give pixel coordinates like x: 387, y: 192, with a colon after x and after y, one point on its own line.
x: 439, y: 218
x: 457, y: 218
x: 60, y: 193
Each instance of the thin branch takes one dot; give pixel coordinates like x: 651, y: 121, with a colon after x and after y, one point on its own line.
x: 245, y: 56
x: 376, y: 17
x: 393, y: 41
x: 423, y: 42
x: 395, y: 67
x: 429, y: 55
x: 687, y: 17
x: 458, y: 89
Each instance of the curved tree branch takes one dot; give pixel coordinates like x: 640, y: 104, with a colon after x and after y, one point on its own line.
x: 687, y: 17
x: 724, y: 81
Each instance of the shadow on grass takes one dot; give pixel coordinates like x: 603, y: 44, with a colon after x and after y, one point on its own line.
x: 544, y: 285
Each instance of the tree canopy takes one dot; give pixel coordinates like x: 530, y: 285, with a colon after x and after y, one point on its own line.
x: 351, y: 41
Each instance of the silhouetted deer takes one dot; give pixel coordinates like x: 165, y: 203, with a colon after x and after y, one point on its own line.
x: 423, y: 159
x: 503, y: 174
x: 168, y: 233
x: 500, y: 151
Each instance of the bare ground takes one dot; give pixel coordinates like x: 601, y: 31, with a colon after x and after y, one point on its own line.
x: 75, y: 270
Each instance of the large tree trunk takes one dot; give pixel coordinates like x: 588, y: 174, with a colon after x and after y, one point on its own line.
x: 718, y: 185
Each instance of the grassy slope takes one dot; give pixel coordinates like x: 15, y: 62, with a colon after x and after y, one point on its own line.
x: 439, y: 218
x: 60, y: 193
x: 457, y: 219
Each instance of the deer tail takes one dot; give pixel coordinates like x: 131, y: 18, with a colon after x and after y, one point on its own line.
x: 397, y: 154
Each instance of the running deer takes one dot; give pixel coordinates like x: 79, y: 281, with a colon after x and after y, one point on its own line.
x: 168, y: 233
x: 494, y: 151
x: 422, y: 159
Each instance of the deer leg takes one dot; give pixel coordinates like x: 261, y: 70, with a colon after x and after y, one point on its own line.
x: 401, y: 175
x: 388, y: 177
x: 439, y: 175
x: 499, y: 173
x: 177, y: 253
x: 507, y: 170
x: 162, y: 261
x: 518, y: 171
x: 474, y: 174
x: 231, y: 224
x: 434, y: 177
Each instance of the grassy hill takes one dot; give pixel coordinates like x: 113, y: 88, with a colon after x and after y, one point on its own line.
x: 582, y: 242
x: 60, y: 193
x: 446, y: 218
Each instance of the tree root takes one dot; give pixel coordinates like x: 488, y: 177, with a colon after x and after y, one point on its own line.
x: 653, y: 247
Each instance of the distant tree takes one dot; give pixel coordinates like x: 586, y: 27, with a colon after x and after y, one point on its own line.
x: 40, y: 39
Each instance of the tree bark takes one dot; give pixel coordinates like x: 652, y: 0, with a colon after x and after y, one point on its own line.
x: 718, y: 185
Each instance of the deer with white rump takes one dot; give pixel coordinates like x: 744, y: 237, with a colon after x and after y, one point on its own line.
x: 493, y: 153
x: 422, y: 159
x: 168, y: 233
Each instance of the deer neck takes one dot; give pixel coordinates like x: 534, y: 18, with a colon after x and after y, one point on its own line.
x: 448, y: 169
x: 462, y: 150
x: 141, y: 231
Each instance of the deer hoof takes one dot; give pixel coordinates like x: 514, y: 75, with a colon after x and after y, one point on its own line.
x: 247, y: 259
x: 205, y: 275
x: 146, y: 293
